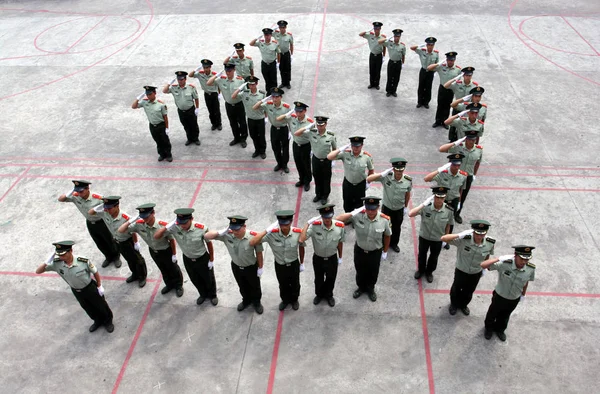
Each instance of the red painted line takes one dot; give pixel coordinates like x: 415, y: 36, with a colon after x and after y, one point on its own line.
x: 50, y: 275
x: 275, y: 353
x: 298, y: 204
x: 510, y: 175
x: 579, y: 34
x: 551, y: 189
x: 318, y: 65
x: 197, y: 191
x: 56, y: 12
x: 86, y: 33
x: 529, y: 293
x: 15, y: 183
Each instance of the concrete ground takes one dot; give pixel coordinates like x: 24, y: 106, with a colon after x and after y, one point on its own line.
x: 69, y: 72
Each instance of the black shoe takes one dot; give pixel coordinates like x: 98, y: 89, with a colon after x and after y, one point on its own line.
x: 109, y: 327
x: 281, y: 86
x: 160, y: 158
x: 166, y: 289
x: 288, y: 86
x: 429, y: 277
x: 317, y: 198
x: 324, y: 201
x: 188, y: 143
x: 331, y: 301
x: 201, y: 300
x: 259, y: 308
x: 388, y: 94
x: 255, y: 154
x: 418, y: 275
x: 105, y: 263
x: 487, y: 334
x: 277, y: 168
x: 445, y: 126
x: 197, y: 142
x: 370, y: 87
x: 395, y: 94
x: 298, y: 184
x: 214, y: 301
x: 356, y: 293
x: 130, y: 279
x: 213, y: 128
x: 452, y: 309
x: 377, y: 87
x: 118, y: 263
x: 282, y: 305
x: 419, y: 105
x: 241, y: 306
x: 233, y: 142
x: 458, y: 219
x: 435, y: 124
x: 263, y: 156
x: 286, y: 170
x: 501, y: 336
x: 396, y: 248
x: 373, y: 296
x: 316, y: 300
x: 179, y: 292
x: 307, y: 187
x: 170, y: 159
x: 466, y: 311
x: 447, y: 247
x: 220, y: 127
x: 426, y: 106
x: 95, y: 326
x: 142, y: 282
x: 244, y: 144
x: 295, y: 305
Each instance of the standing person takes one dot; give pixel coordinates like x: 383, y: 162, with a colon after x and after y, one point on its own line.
x: 256, y: 117
x: 297, y: 120
x: 328, y: 238
x: 274, y: 107
x: 246, y: 260
x: 244, y: 65
x: 163, y: 251
x: 452, y: 177
x: 84, y: 200
x: 227, y: 84
x: 187, y: 102
x: 269, y: 50
x: 397, y: 52
x: 156, y: 111
x: 446, y: 70
x: 77, y: 272
x: 211, y: 93
x: 472, y: 248
x: 427, y: 56
x: 356, y: 161
x: 286, y: 51
x: 436, y: 219
x: 464, y: 123
x: 396, y: 196
x: 376, y: 55
x: 288, y: 252
x: 474, y: 96
x: 514, y: 274
x: 460, y: 86
x: 198, y: 253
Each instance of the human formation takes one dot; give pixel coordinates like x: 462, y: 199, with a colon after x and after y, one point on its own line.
x: 376, y: 221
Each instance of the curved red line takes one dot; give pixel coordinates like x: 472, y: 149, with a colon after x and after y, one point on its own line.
x: 543, y: 45
x: 52, y: 27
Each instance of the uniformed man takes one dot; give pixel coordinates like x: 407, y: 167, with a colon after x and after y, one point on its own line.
x: 246, y: 261
x: 460, y: 85
x: 163, y: 251
x: 244, y: 65
x: 84, y: 200
x: 474, y: 96
x: 514, y: 274
x: 373, y: 231
x: 297, y: 120
x: 446, y: 70
x: 77, y: 272
x: 187, y: 102
x: 211, y: 93
x: 428, y: 56
x: 377, y: 53
x: 256, y: 117
x: 356, y: 161
x: 451, y: 176
x: 227, y: 84
x: 397, y: 52
x: 286, y: 51
x: 466, y: 120
x: 198, y: 252
x: 288, y: 252
x: 280, y: 132
x: 396, y: 196
x: 128, y: 244
x: 473, y: 154
x: 436, y: 219
x: 156, y: 111
x: 269, y: 50
x: 328, y: 238
x: 472, y: 248
x: 322, y: 142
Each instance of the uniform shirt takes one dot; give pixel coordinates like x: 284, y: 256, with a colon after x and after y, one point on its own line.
x: 242, y: 254
x: 481, y: 115
x: 113, y: 224
x: 447, y: 73
x: 321, y: 144
x: 147, y: 234
x: 203, y: 79
x: 427, y: 59
x: 77, y: 275
x: 394, y: 191
x: 469, y: 255
x: 325, y: 240
x: 471, y: 156
x: 228, y: 86
x: 242, y: 66
x: 453, y: 182
x: 433, y: 222
x: 355, y: 166
x: 284, y: 40
x: 191, y: 242
x: 395, y: 51
x: 295, y: 124
x: 369, y: 233
x: 249, y: 99
x: 269, y: 51
x: 84, y: 205
x: 463, y: 124
x: 273, y: 112
x: 184, y: 97
x: 512, y: 280
x: 461, y: 89
x: 374, y: 46
x: 155, y: 110
x: 284, y: 247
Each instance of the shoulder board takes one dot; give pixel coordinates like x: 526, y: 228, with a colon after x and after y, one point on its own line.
x: 449, y: 206
x: 402, y: 43
x: 199, y: 225
x: 253, y: 233
x: 274, y: 41
x: 367, y: 153
x: 140, y: 221
x: 294, y: 116
x: 474, y: 83
x: 286, y: 105
x: 340, y: 224
x: 531, y: 265
x: 435, y: 50
x: 275, y: 230
x: 408, y: 177
x: 238, y: 77
x: 317, y: 222
x: 384, y: 36
x: 423, y: 49
x: 457, y: 66
x: 145, y: 99
x: 262, y: 91
x: 270, y: 102
x: 248, y: 57
x: 371, y: 33
x: 83, y: 259
x: 192, y: 85
x: 479, y: 146
x: 56, y: 259
x: 483, y: 105
x: 463, y: 173
x: 480, y: 121
x: 296, y: 230
x: 262, y: 40
x: 468, y: 236
x: 174, y: 84
x: 160, y: 101
x: 97, y: 196
x: 214, y: 73
x: 235, y: 56
x: 465, y: 103
x: 507, y: 261
x: 289, y: 32
x: 310, y: 120
x: 223, y: 77
x: 162, y: 223
x: 490, y: 240
x: 330, y: 133
x: 124, y: 215
x: 459, y: 82
x: 445, y: 171
x: 276, y: 31
x: 383, y: 215
x: 462, y: 117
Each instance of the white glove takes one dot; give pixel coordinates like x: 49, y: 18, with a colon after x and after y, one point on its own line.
x: 167, y: 131
x: 290, y: 112
x: 483, y: 272
x: 506, y: 257
x: 459, y: 76
x: 101, y: 290
x: 388, y: 171
x: 474, y: 177
x: 460, y: 141
x: 141, y: 96
x: 211, y: 264
x: 522, y: 299
x: 313, y: 125
x: 242, y: 86
x: 357, y: 211
x: 423, y: 46
x: 69, y: 194
x: 259, y: 272
x: 333, y: 163
x: 196, y: 111
x: 233, y: 52
x: 444, y: 244
x: 220, y: 97
x: 312, y: 220
x: 136, y: 246
x: 383, y: 256
x: 224, y: 231
x: 259, y: 37
x: 291, y: 58
x: 200, y: 67
x: 50, y: 258
x: 428, y: 201
x: 174, y: 258
x: 405, y: 211
x: 467, y: 97
x: 463, y: 234
x: 172, y: 81
x: 272, y: 227
x: 219, y: 74
x: 265, y: 99
x: 301, y: 267
x: 99, y: 208
x: 133, y: 219
x: 463, y: 113
x: 343, y: 148
x: 458, y: 207
x: 171, y: 225
x: 444, y: 167
x: 367, y: 185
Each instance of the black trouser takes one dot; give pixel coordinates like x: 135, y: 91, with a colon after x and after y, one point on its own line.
x: 425, y: 84
x: 201, y: 276
x: 394, y: 68
x: 428, y: 265
x: 444, y: 99
x: 375, y: 62
x: 302, y: 160
x: 499, y: 312
x: 189, y: 120
x: 326, y: 269
x: 256, y: 127
x: 248, y: 282
x: 465, y: 193
x: 352, y: 194
x: 93, y: 303
x: 285, y: 68
x: 170, y: 271
x: 214, y: 110
x: 135, y: 261
x: 103, y: 239
x: 322, y: 174
x: 454, y: 205
x: 396, y: 217
x: 237, y: 120
x: 288, y: 276
x: 366, y: 263
x: 280, y: 145
x: 163, y: 144
x: 452, y: 136
x: 269, y: 73
x: 463, y: 287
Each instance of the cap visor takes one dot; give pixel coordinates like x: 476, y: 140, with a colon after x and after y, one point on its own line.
x: 181, y: 221
x: 61, y: 252
x: 440, y: 195
x: 525, y: 256
x: 145, y: 215
x: 371, y: 207
x: 235, y: 227
x: 79, y: 189
x: 284, y: 222
x: 327, y: 215
x: 480, y: 232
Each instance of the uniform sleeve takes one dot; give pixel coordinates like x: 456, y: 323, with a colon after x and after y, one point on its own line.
x: 532, y: 277
x: 343, y: 236
x: 259, y: 248
x: 267, y: 238
x: 142, y: 103
x: 436, y: 178
x: 451, y: 220
x: 170, y: 88
x: 464, y: 182
x: 309, y: 231
x: 409, y: 187
x: 456, y: 122
x: 370, y: 164
x: 194, y: 93
x: 454, y: 149
x: 340, y: 155
x: 492, y: 251
x: 291, y: 38
x: 456, y: 242
x: 334, y: 143
x: 460, y: 107
x: 69, y: 199
x: 50, y: 267
x: 388, y: 228
x: 496, y: 266
x: 92, y: 267
x: 403, y: 51
x: 163, y: 109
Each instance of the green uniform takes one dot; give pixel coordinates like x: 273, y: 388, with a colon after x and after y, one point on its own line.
x: 463, y: 124
x: 321, y: 144
x: 461, y: 89
x: 447, y: 73
x: 469, y: 255
x: 203, y: 79
x: 155, y: 110
x: 191, y: 242
x: 273, y: 112
x: 325, y: 240
x: 242, y: 254
x: 249, y: 99
x: 395, y: 51
x: 269, y: 51
x: 374, y: 46
x: 294, y: 124
x: 147, y: 234
x: 453, y: 182
x: 471, y: 156
x: 184, y: 97
x: 426, y: 58
x: 84, y: 205
x: 481, y: 115
x: 284, y: 40
x: 355, y: 166
x: 394, y: 191
x: 369, y: 233
x: 113, y: 225
x: 512, y: 280
x: 228, y: 86
x: 77, y: 275
x: 243, y: 67
x: 433, y: 222
x: 284, y: 247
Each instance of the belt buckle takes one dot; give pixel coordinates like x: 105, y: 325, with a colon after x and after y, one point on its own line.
x: 288, y: 265
x: 242, y: 268
x: 325, y: 258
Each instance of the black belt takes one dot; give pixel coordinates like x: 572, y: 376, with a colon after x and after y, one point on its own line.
x: 268, y: 64
x: 320, y: 159
x: 158, y: 124
x: 279, y: 128
x: 328, y: 257
x: 186, y: 110
x: 86, y: 286
x: 395, y: 61
x: 369, y: 251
